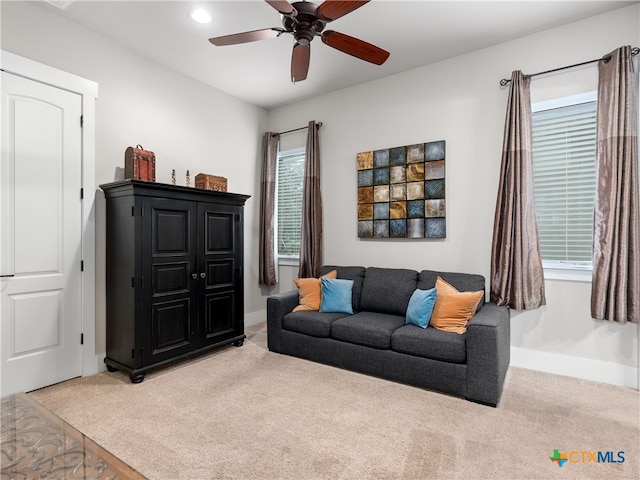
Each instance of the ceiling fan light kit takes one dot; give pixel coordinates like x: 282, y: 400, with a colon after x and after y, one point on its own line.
x: 304, y: 21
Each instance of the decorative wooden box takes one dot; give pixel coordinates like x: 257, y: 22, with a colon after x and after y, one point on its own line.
x: 211, y: 182
x: 139, y: 164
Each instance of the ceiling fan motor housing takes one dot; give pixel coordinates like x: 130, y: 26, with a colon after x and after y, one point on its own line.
x: 305, y: 24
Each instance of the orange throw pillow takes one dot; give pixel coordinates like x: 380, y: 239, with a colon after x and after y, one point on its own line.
x: 453, y: 309
x: 310, y: 292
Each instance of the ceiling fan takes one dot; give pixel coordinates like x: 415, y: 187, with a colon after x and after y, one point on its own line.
x: 305, y: 20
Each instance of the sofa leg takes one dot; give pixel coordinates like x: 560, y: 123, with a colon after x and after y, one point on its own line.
x: 488, y: 404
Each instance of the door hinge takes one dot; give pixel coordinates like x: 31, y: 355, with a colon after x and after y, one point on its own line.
x: 133, y: 211
x: 82, y: 339
x: 82, y: 265
x: 132, y: 282
x: 81, y: 121
x: 133, y: 353
x: 82, y: 194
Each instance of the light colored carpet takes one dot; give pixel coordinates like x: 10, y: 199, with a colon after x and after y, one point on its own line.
x: 247, y: 413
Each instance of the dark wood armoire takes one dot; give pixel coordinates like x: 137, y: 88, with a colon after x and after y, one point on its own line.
x: 174, y: 273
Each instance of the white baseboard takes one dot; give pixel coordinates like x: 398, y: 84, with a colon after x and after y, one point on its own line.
x: 556, y: 363
x: 97, y: 367
x: 577, y: 367
x: 254, y: 318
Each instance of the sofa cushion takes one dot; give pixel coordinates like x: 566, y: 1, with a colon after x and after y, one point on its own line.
x: 310, y: 323
x: 349, y: 273
x: 367, y: 328
x: 430, y: 343
x: 463, y: 282
x: 388, y: 290
x: 310, y: 292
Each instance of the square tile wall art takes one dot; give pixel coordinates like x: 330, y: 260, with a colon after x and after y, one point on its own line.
x: 401, y: 192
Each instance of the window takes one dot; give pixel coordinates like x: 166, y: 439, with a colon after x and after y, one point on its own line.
x: 289, y: 185
x: 564, y: 177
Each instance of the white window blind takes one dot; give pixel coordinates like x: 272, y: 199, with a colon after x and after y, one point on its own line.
x: 564, y: 150
x: 289, y: 208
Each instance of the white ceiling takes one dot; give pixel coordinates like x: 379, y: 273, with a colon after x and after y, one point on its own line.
x: 415, y: 32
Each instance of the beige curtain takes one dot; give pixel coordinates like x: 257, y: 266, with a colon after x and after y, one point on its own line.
x: 311, y: 235
x: 517, y: 278
x: 267, y: 268
x: 615, y: 287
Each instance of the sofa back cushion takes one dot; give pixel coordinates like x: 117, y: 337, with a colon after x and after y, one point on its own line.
x: 387, y: 290
x: 349, y: 273
x: 463, y: 282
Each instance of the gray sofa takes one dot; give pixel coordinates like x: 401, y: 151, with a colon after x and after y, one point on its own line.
x: 375, y: 340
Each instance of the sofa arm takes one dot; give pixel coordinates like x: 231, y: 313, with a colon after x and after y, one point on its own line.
x: 488, y: 353
x: 277, y: 307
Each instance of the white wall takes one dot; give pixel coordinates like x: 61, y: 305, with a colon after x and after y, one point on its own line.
x: 188, y: 124
x: 459, y: 100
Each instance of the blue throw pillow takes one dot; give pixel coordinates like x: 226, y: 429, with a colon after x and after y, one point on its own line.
x: 420, y: 307
x: 336, y: 295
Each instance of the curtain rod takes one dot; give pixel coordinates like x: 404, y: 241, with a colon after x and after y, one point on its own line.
x: 606, y: 58
x: 318, y: 125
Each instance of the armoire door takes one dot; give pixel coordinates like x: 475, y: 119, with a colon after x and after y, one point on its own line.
x: 220, y: 260
x: 170, y: 279
x: 40, y: 260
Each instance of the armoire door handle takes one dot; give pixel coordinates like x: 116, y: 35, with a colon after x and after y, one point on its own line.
x: 194, y: 276
x: 203, y: 275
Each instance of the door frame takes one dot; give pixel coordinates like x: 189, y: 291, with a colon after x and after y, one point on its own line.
x: 88, y: 90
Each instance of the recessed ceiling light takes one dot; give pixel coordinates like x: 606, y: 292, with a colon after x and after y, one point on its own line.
x: 200, y: 15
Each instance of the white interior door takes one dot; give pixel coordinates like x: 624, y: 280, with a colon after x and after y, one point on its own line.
x: 40, y: 249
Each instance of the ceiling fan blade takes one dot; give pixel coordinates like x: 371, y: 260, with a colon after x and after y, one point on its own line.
x: 282, y: 6
x: 330, y: 10
x: 300, y: 62
x: 245, y: 37
x: 354, y: 46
